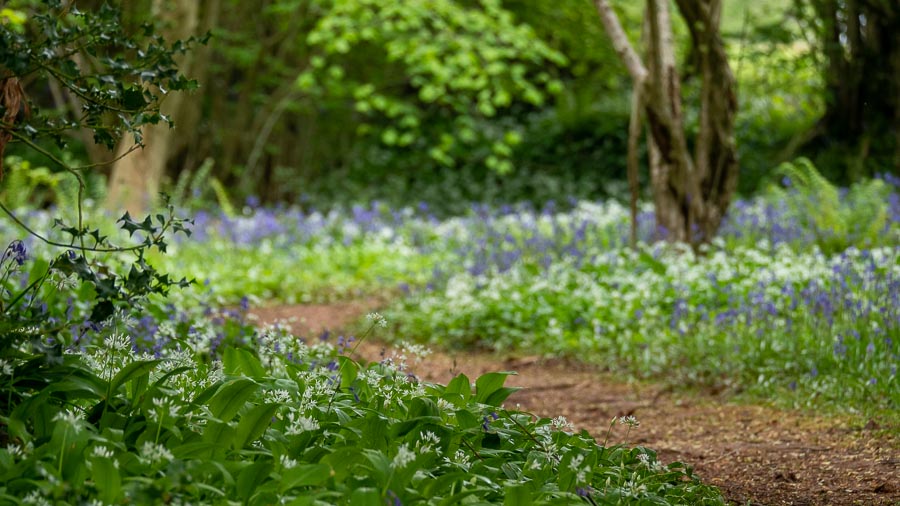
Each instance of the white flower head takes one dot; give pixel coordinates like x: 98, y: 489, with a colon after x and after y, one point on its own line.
x: 298, y: 424
x: 152, y: 453
x: 287, y: 462
x: 404, y: 456
x: 34, y: 497
x: 71, y: 419
x: 377, y: 319
x: 278, y: 396
x: 561, y: 423
x: 6, y: 368
x: 428, y: 442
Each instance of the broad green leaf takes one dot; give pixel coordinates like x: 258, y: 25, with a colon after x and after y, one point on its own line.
x: 366, y: 497
x: 106, y: 479
x: 231, y: 398
x: 498, y: 396
x: 489, y: 383
x: 252, y: 476
x: 349, y: 370
x: 253, y: 424
x: 304, y: 476
x: 444, y: 482
x: 460, y: 385
x: 197, y: 450
x: 238, y: 361
x: 87, y: 387
x: 517, y: 495
x: 380, y: 465
x: 132, y: 371
x: 343, y: 462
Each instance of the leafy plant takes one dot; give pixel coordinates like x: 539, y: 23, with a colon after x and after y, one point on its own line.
x: 303, y: 424
x: 839, y: 218
x: 442, y: 52
x: 25, y: 185
x: 763, y: 310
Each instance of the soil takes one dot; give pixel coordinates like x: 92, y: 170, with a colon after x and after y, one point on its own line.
x: 754, y: 454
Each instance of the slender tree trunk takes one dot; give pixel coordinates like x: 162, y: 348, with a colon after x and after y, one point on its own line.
x: 634, y: 138
x: 715, y: 157
x: 691, y: 193
x: 135, y: 179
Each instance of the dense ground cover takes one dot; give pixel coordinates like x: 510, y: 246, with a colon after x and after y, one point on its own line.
x: 798, y: 296
x: 169, y: 399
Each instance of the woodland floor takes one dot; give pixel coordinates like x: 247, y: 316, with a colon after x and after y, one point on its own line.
x: 754, y: 454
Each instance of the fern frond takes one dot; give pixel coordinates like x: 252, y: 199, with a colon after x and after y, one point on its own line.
x: 857, y: 218
x: 201, y: 178
x: 16, y: 188
x: 222, y: 197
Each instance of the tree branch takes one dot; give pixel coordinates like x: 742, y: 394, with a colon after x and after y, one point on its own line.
x: 634, y: 137
x: 620, y: 41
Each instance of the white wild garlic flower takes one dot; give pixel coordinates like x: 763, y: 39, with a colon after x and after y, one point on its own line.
x: 287, y: 462
x: 561, y: 423
x: 102, y: 452
x: 71, y: 419
x: 404, y: 456
x: 152, y: 453
x: 377, y: 319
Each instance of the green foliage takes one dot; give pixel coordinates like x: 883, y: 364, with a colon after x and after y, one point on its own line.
x: 102, y: 288
x: 25, y: 185
x: 763, y: 309
x: 279, y: 421
x: 119, y: 81
x: 190, y: 187
x: 839, y: 218
x: 462, y: 63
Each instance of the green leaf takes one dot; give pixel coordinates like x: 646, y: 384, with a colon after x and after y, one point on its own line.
x: 133, y: 98
x: 498, y: 396
x: 238, y: 361
x: 132, y: 371
x: 106, y: 479
x: 366, y: 497
x: 654, y: 264
x: 89, y: 387
x: 460, y: 385
x: 252, y: 476
x: 253, y: 424
x: 231, y: 398
x: 218, y: 433
x: 304, y: 476
x: 487, y: 384
x: 197, y: 450
x: 442, y: 483
x: 349, y: 371
x: 517, y: 495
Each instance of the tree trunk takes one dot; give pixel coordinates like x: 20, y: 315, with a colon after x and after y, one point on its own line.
x: 715, y: 155
x: 861, y: 44
x: 691, y: 193
x: 135, y: 179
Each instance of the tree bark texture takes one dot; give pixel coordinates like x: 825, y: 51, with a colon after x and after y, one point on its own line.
x: 135, y: 179
x: 691, y: 192
x: 861, y: 43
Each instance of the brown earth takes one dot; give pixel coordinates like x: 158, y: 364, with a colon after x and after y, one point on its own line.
x: 754, y: 454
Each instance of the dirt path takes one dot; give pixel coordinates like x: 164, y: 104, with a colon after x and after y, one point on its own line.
x: 754, y: 454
